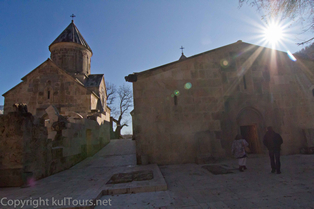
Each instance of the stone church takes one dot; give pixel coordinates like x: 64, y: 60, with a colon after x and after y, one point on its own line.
x: 190, y: 110
x: 56, y: 117
x: 63, y: 80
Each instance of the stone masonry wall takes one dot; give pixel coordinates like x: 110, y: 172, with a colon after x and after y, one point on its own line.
x: 71, y: 57
x: 23, y: 148
x: 194, y: 108
x: 27, y: 151
x: 63, y: 91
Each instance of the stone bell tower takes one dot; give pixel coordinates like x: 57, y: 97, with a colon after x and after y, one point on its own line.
x: 71, y: 52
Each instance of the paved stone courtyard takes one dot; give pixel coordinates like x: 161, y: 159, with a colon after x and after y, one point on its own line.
x: 191, y: 186
x: 188, y: 185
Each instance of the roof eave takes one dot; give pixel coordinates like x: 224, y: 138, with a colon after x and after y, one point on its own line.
x: 134, y: 76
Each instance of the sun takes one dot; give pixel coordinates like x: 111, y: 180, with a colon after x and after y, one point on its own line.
x: 273, y: 33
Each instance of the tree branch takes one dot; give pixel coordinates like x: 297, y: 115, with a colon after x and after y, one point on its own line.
x: 111, y: 93
x: 304, y: 42
x: 298, y: 11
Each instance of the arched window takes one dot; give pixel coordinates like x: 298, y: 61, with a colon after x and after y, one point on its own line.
x: 48, y: 89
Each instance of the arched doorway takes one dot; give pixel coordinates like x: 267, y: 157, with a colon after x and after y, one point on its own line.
x: 250, y: 126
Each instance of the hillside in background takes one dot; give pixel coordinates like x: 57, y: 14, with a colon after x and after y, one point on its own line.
x: 307, y: 52
x: 1, y: 109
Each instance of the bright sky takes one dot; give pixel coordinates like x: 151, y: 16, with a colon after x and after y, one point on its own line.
x: 126, y: 36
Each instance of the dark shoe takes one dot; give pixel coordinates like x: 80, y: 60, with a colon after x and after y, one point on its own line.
x: 244, y: 167
x: 241, y: 168
x: 273, y: 170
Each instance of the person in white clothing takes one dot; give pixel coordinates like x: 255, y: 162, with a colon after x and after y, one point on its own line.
x: 238, y: 150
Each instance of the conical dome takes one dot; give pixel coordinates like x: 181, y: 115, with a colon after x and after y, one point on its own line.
x: 71, y: 34
x: 70, y: 52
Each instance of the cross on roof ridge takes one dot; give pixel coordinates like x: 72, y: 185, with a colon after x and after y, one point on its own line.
x: 182, y: 49
x: 72, y: 17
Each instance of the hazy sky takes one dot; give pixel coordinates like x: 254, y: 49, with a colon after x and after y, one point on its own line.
x: 125, y: 36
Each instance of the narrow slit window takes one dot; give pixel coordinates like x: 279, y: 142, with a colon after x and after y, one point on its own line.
x: 244, y: 82
x: 48, y: 94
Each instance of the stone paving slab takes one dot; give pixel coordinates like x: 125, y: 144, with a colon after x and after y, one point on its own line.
x: 158, y: 183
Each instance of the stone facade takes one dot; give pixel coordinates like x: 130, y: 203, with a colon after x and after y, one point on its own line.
x: 192, y: 109
x: 62, y: 115
x: 49, y: 85
x: 71, y: 57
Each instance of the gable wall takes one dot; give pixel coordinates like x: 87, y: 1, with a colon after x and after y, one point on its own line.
x: 64, y: 92
x: 94, y: 101
x: 207, y: 116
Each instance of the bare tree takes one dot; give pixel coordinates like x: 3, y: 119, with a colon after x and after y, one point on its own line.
x: 124, y: 96
x: 301, y: 11
x: 111, y: 93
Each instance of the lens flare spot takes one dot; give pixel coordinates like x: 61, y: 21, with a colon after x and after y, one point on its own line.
x: 290, y: 55
x: 224, y: 63
x: 188, y: 85
x: 176, y: 93
x: 172, y: 95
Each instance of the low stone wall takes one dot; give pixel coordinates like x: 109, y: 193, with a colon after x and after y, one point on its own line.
x: 26, y: 151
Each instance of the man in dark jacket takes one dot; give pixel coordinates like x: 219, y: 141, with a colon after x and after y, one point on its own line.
x: 273, y: 141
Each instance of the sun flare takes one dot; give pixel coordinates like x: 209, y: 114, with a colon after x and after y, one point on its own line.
x: 273, y: 33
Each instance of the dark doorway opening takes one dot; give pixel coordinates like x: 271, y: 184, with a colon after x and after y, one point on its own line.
x: 250, y: 134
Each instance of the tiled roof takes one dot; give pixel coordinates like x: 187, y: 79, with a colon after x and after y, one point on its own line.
x: 71, y: 34
x: 93, y: 80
